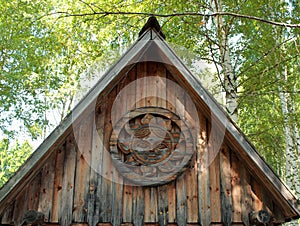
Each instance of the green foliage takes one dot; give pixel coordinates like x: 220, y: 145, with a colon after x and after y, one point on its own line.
x: 12, y: 157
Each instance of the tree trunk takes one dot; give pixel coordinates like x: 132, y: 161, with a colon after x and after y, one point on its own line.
x: 291, y: 139
x: 230, y: 81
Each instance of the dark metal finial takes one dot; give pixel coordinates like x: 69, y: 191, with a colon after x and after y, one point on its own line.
x: 152, y: 23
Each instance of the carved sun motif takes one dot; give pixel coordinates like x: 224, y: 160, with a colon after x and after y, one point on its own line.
x: 148, y: 139
x: 151, y: 146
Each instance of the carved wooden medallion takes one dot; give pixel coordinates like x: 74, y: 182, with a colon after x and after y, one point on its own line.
x: 151, y: 146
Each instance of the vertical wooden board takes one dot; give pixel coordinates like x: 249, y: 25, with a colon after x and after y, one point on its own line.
x: 170, y: 95
x: 267, y: 201
x: 192, y: 172
x: 131, y: 91
x: 127, y: 203
x: 106, y: 195
x: 161, y: 85
x: 105, y: 199
x: 151, y: 88
x: 58, y: 182
x: 117, y: 203
x: 203, y: 173
x: 181, y: 200
x: 138, y: 206
x: 20, y: 207
x: 34, y: 192
x: 163, y: 204
x: 215, y: 202
x: 46, y: 190
x: 98, y: 150
x: 141, y: 85
x: 7, y: 215
x: 256, y: 194
x: 117, y: 199
x: 147, y: 194
x: 126, y: 94
x: 192, y: 193
x: 226, y: 196
x: 246, y: 195
x: 150, y: 194
x: 83, y: 134
x: 172, y: 201
x: 66, y: 208
x: 236, y: 189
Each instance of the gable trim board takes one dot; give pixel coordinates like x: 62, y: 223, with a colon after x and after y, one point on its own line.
x: 151, y: 39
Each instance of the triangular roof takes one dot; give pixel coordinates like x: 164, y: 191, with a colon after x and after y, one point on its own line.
x: 149, y: 41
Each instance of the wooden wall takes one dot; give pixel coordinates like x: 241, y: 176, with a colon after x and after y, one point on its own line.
x: 68, y: 189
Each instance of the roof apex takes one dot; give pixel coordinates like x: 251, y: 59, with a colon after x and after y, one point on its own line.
x: 152, y: 24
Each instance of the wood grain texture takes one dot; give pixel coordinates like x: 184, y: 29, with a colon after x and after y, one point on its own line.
x: 236, y: 189
x: 226, y: 192
x: 138, y: 206
x: 58, y: 182
x: 203, y: 173
x: 172, y: 201
x: 66, y: 208
x: 47, y: 187
x: 246, y: 198
x: 83, y: 135
x: 214, y: 174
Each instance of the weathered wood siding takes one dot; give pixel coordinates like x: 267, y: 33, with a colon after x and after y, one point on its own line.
x: 217, y: 189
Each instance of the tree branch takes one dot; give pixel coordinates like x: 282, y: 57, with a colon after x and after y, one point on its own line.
x: 236, y: 15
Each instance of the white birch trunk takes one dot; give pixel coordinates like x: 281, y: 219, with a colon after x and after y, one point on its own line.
x: 229, y: 83
x: 291, y: 133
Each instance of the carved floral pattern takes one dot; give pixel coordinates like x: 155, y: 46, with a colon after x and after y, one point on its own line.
x: 151, y: 146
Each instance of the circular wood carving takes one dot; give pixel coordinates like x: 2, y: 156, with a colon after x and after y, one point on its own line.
x: 151, y: 146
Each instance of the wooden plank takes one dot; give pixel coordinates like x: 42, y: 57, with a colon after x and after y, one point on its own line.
x: 58, y: 183
x: 172, y: 201
x: 83, y: 135
x: 192, y: 193
x: 33, y: 192
x: 151, y: 88
x: 236, y: 189
x: 161, y: 85
x: 98, y: 150
x: 150, y: 194
x: 47, y: 187
x: 256, y: 194
x: 141, y: 85
x: 80, y: 224
x: 131, y: 92
x: 127, y: 224
x: 181, y: 200
x: 127, y: 203
x: 65, y: 217
x: 163, y: 214
x: 192, y: 171
x: 7, y: 215
x: 246, y: 194
x: 106, y: 195
x: 215, y: 202
x: 203, y: 173
x: 226, y: 195
x: 130, y: 105
x: 117, y: 199
x: 138, y: 206
x: 20, y: 207
x: 170, y: 95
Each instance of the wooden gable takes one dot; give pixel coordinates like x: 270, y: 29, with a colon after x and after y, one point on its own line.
x: 83, y: 174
